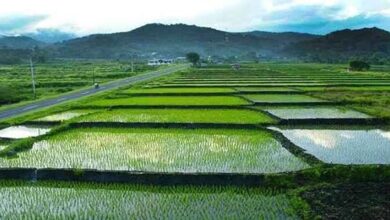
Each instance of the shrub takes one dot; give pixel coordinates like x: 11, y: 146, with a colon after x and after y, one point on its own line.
x: 359, y: 65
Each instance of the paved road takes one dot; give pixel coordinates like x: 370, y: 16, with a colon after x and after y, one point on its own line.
x: 87, y: 92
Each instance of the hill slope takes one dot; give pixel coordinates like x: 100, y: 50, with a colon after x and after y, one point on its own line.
x: 343, y: 45
x: 19, y: 42
x: 167, y: 40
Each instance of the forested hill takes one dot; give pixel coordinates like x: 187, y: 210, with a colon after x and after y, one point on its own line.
x: 369, y: 43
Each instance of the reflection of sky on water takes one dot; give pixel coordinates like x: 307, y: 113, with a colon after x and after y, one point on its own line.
x: 315, y: 112
x: 16, y: 132
x: 343, y: 146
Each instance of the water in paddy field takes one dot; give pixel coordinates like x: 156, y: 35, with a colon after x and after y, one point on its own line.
x: 315, y: 112
x: 343, y: 146
x: 17, y: 132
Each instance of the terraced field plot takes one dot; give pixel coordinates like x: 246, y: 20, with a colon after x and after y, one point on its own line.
x: 161, y: 150
x: 343, y: 146
x: 232, y: 116
x: 264, y: 89
x: 271, y: 98
x: 64, y: 116
x: 96, y: 201
x: 17, y: 132
x: 171, y: 101
x: 2, y: 147
x: 314, y: 112
x: 178, y: 90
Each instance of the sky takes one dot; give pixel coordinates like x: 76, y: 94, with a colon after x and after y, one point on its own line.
x: 84, y: 17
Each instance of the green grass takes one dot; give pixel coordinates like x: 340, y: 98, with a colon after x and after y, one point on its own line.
x: 178, y: 90
x: 60, y: 200
x: 171, y: 100
x: 271, y: 98
x: 161, y: 150
x: 230, y: 116
x: 58, y: 77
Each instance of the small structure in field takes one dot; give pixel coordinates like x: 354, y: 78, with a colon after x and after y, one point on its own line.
x: 159, y: 62
x: 236, y: 66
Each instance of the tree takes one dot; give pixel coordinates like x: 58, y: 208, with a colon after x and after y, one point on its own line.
x: 193, y: 58
x: 359, y: 65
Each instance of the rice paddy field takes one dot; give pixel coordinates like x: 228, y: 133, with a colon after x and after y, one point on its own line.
x: 314, y: 112
x: 227, y: 116
x: 170, y: 101
x: 214, y: 151
x: 209, y: 123
x: 97, y: 201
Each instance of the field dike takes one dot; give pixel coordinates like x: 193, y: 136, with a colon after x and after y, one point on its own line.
x: 321, y: 174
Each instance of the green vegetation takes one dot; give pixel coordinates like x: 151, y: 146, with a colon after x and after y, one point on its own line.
x: 171, y: 101
x: 281, y: 98
x: 56, y: 200
x: 357, y: 65
x: 57, y: 77
x: 264, y: 89
x: 161, y: 150
x: 230, y: 116
x: 193, y: 58
x: 178, y: 90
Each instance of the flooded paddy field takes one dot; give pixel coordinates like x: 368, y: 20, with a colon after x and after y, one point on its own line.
x: 341, y: 146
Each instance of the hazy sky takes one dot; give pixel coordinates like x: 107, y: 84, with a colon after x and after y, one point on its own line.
x: 104, y: 16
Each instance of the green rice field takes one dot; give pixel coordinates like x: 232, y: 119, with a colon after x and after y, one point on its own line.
x: 178, y: 90
x: 270, y: 98
x: 56, y: 200
x: 161, y: 150
x: 229, y: 116
x: 170, y: 101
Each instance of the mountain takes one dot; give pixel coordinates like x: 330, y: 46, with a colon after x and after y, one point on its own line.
x: 343, y: 45
x: 49, y: 35
x: 19, y: 42
x: 284, y: 38
x: 167, y: 41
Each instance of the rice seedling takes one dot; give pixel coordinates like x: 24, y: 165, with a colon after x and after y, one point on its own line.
x: 343, y: 146
x: 264, y: 89
x: 315, y: 112
x: 272, y: 98
x: 161, y: 150
x: 232, y: 116
x: 170, y: 100
x: 178, y: 90
x: 57, y: 200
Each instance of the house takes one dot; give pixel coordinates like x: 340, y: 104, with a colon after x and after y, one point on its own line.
x: 159, y: 62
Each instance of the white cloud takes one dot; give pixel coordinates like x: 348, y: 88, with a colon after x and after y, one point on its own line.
x: 87, y: 16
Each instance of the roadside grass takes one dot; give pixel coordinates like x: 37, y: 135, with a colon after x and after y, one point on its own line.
x: 161, y: 150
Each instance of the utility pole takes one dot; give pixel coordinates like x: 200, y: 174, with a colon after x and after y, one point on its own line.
x: 93, y: 76
x: 32, y: 74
